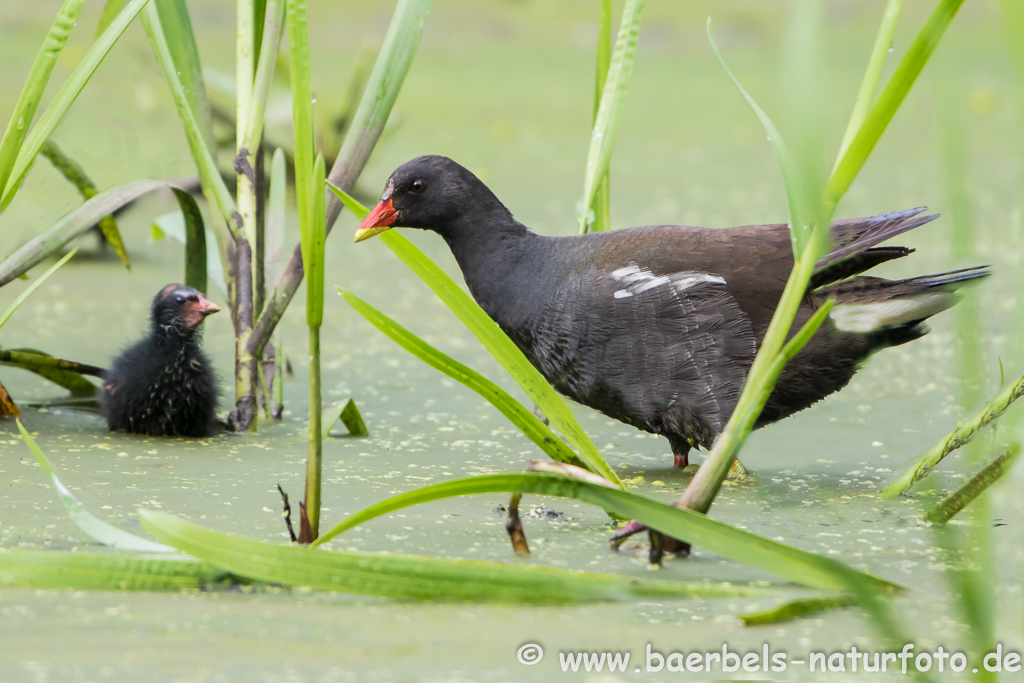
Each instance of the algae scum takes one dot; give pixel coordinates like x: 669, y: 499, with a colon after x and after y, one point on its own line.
x: 689, y: 153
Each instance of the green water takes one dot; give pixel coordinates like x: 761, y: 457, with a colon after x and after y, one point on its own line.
x: 505, y: 89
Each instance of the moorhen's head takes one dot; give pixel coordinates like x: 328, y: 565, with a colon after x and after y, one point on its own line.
x: 431, y: 193
x: 179, y: 310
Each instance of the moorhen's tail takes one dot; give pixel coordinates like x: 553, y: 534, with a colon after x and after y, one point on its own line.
x: 895, y: 308
x: 855, y: 241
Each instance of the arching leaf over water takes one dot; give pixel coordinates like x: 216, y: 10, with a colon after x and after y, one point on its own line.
x: 411, y: 576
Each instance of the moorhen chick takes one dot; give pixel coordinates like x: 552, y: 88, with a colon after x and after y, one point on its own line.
x: 657, y: 326
x: 163, y: 385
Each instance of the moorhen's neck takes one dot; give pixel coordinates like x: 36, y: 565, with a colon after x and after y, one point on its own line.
x: 489, y: 245
x: 174, y: 333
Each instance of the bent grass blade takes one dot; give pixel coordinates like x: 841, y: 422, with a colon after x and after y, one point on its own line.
x: 413, y: 577
x: 523, y: 419
x: 92, y: 525
x: 782, y: 560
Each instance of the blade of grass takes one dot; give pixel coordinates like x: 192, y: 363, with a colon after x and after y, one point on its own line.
x: 64, y: 98
x: 975, y: 486
x: 410, y: 576
x: 517, y: 414
x: 869, y: 84
x: 188, y: 68
x: 602, y: 196
x: 808, y: 230
x: 93, y: 571
x: 609, y: 113
x: 173, y: 225
x: 217, y: 193
x: 111, y: 8
x: 76, y: 175
x: 276, y: 212
x: 33, y: 287
x: 195, y: 240
x: 794, y: 609
x: 64, y: 373
x: 35, y: 85
x: 494, y: 340
x: 889, y: 101
x: 386, y: 80
x: 348, y: 413
x: 74, y: 224
x: 955, y: 439
x: 801, y: 205
x: 95, y: 527
x: 312, y: 229
x: 705, y: 485
x: 782, y: 560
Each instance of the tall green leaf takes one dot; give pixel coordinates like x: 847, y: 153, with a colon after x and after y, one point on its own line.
x: 184, y: 53
x: 801, y: 209
x: 606, y: 124
x: 602, y: 196
x: 411, y: 576
x: 214, y: 188
x: 302, y: 113
x: 378, y: 98
x: 494, y: 340
x: 63, y: 100
x: 889, y: 101
x: 871, y: 75
x: 389, y: 71
x: 35, y: 85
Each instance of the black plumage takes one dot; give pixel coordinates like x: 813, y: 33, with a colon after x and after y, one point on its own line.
x: 657, y: 326
x: 164, y: 385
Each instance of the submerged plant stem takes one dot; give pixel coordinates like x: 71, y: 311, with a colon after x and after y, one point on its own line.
x: 955, y: 439
x: 314, y: 450
x: 963, y: 496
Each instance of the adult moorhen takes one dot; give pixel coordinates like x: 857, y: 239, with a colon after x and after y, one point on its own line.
x: 657, y: 326
x: 163, y: 385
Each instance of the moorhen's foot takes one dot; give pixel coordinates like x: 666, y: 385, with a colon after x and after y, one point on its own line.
x: 633, y: 527
x: 660, y: 543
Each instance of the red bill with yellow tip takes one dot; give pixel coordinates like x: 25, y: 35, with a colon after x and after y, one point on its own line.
x: 377, y: 221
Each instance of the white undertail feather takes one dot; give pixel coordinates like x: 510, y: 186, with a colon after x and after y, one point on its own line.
x: 865, y: 318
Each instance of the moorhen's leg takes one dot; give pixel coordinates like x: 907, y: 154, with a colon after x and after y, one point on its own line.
x: 514, y: 527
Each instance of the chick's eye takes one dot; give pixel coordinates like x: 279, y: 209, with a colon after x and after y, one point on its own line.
x: 418, y: 186
x: 180, y: 300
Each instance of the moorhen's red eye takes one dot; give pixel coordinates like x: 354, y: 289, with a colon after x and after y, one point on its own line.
x: 418, y: 186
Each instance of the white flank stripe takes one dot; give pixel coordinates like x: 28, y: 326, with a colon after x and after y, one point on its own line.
x: 651, y: 284
x: 691, y: 280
